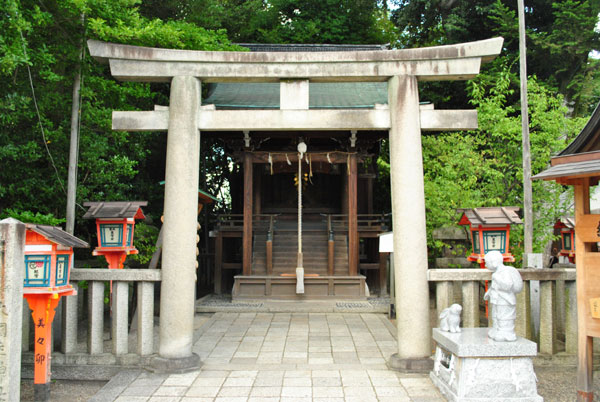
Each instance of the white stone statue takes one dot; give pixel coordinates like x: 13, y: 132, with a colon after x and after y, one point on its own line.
x: 506, y: 283
x: 450, y: 318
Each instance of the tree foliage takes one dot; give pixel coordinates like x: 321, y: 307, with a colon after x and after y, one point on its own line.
x: 561, y: 36
x: 41, y: 42
x: 284, y: 21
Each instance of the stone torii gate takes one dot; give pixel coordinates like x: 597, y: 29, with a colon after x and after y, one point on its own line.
x: 186, y: 118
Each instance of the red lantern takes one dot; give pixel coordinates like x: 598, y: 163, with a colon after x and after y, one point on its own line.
x: 566, y: 225
x: 489, y: 229
x: 115, y: 224
x: 48, y: 263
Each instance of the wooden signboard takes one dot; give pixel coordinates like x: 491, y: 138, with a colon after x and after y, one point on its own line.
x: 587, y: 228
x: 595, y: 307
x: 592, y: 294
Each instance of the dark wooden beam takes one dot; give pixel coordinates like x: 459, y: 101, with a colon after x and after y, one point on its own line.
x: 352, y: 218
x: 330, y: 257
x: 582, y: 157
x: 334, y: 157
x: 257, y: 193
x: 383, y: 257
x: 269, y: 247
x: 247, y: 236
x: 218, y: 262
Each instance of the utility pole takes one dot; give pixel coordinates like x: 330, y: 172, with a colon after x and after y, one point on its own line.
x: 74, y: 144
x: 527, y: 197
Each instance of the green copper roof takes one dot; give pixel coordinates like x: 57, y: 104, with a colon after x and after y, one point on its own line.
x: 322, y: 95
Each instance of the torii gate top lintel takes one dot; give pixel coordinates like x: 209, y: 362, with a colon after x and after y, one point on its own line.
x: 450, y: 62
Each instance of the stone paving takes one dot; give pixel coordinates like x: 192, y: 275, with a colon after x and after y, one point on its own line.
x: 286, y: 357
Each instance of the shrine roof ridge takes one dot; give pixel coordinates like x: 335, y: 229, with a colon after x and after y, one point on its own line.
x: 56, y: 235
x: 114, y: 209
x: 491, y: 216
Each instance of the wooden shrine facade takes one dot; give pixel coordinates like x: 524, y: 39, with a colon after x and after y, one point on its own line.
x: 339, y: 228
x: 578, y: 165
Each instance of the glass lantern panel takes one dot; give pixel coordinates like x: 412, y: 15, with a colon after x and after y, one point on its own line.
x: 129, y: 232
x: 37, y: 271
x: 111, y: 235
x: 566, y: 241
x: 573, y: 241
x: 494, y: 240
x: 62, y: 269
x: 475, y: 236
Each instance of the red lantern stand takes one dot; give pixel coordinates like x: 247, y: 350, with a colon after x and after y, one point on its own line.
x: 566, y: 226
x: 490, y: 230
x: 48, y: 263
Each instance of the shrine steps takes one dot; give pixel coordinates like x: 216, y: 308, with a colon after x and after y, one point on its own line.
x: 285, y: 253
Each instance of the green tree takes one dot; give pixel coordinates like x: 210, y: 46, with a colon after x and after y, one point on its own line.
x: 40, y: 42
x: 560, y: 38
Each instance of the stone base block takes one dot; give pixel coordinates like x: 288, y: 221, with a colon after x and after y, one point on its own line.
x: 182, y: 365
x: 41, y: 392
x: 470, y: 367
x: 423, y: 365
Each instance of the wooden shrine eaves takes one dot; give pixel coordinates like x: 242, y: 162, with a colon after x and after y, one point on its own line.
x: 572, y: 172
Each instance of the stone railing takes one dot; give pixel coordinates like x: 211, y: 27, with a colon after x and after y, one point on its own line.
x: 92, y: 351
x: 557, y: 295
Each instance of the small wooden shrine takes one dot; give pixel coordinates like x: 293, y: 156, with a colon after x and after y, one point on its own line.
x: 578, y: 165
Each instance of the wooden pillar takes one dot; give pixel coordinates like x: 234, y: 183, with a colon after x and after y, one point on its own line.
x: 248, y: 198
x: 330, y: 256
x: 257, y: 191
x: 585, y: 391
x: 383, y: 259
x: 370, y: 195
x: 352, y: 218
x: 218, y: 263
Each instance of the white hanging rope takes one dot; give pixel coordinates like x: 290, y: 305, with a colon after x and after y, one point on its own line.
x: 300, y: 210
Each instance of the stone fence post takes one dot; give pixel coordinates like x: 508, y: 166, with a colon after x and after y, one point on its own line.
x: 12, y: 267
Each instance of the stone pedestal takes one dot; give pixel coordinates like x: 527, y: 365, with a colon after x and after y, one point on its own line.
x: 471, y: 367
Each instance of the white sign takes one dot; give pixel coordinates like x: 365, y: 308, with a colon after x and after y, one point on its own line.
x: 386, y: 242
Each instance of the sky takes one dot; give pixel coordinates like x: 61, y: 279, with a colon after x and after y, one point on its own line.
x: 595, y: 54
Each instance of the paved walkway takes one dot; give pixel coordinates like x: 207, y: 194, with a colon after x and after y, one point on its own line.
x: 286, y: 357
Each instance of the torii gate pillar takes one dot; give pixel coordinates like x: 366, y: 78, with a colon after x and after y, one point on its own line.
x: 410, y: 238
x: 177, y: 296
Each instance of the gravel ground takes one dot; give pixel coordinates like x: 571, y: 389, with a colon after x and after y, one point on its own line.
x: 64, y: 390
x: 559, y: 384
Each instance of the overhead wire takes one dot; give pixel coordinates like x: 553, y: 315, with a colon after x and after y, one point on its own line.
x: 37, y: 110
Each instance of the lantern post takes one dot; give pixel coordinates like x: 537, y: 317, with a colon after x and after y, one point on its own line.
x: 115, y: 225
x: 48, y: 264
